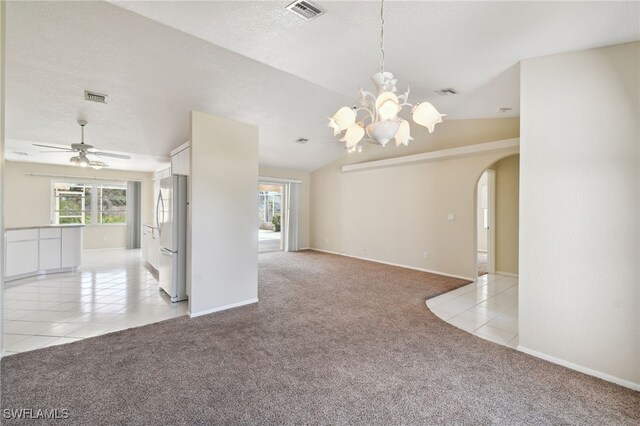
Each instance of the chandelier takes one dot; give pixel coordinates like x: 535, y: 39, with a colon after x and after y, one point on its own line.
x: 381, y: 111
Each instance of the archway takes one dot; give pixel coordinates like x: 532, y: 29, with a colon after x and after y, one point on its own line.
x: 497, y: 211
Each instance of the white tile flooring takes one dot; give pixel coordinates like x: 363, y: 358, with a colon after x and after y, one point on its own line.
x: 487, y: 308
x: 111, y: 291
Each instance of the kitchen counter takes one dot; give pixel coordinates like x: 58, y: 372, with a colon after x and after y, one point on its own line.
x: 66, y: 225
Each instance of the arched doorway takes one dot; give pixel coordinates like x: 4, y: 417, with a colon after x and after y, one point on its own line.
x: 497, y: 211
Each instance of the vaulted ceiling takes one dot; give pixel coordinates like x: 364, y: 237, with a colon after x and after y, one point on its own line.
x: 256, y: 62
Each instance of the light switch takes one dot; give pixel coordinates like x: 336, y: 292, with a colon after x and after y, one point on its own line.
x: 451, y: 216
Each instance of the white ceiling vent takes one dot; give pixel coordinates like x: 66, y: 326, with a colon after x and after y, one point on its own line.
x: 447, y: 91
x: 306, y: 10
x: 302, y: 140
x: 95, y: 97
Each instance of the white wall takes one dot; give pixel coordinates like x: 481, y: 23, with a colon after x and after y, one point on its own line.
x: 579, y: 210
x: 2, y: 165
x: 27, y: 199
x: 395, y: 214
x: 305, y: 198
x: 223, y: 213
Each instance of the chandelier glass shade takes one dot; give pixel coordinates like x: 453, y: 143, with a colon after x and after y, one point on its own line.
x: 378, y: 112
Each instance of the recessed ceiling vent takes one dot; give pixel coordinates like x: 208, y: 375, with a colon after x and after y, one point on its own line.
x: 302, y: 140
x: 306, y: 10
x: 447, y: 91
x: 95, y: 97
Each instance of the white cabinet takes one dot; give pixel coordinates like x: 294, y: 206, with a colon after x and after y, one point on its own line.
x: 21, y: 257
x: 71, y: 247
x: 50, y: 250
x: 21, y: 252
x: 151, y: 246
x: 40, y: 250
x: 146, y: 234
x: 180, y: 160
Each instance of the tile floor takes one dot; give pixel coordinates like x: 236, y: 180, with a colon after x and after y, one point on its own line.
x: 487, y: 308
x: 112, y: 290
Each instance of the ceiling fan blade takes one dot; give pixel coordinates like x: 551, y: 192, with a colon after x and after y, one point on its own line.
x: 57, y: 152
x: 109, y: 154
x: 53, y: 147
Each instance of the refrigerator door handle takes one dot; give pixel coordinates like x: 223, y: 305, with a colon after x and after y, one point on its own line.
x: 157, y: 211
x: 163, y: 217
x: 166, y: 251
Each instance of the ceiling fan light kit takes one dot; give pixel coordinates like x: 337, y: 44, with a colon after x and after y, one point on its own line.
x: 82, y: 150
x: 381, y: 111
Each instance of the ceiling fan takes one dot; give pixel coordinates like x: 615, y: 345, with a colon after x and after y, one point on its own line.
x: 83, y: 149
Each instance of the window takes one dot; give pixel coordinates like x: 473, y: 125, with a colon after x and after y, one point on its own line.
x: 89, y: 203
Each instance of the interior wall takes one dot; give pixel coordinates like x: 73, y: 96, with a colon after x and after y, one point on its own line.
x: 28, y: 199
x: 223, y: 211
x: 579, y: 211
x: 2, y: 166
x: 482, y: 231
x: 396, y: 214
x: 305, y: 198
x: 507, y: 176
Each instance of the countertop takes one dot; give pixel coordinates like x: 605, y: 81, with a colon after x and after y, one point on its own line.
x: 68, y: 225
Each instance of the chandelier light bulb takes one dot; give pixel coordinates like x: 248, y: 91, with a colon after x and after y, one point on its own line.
x: 387, y: 106
x: 353, y: 135
x: 426, y: 115
x: 404, y: 133
x: 342, y: 120
x: 83, y: 162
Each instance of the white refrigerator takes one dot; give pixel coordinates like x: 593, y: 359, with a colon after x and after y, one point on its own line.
x: 171, y: 218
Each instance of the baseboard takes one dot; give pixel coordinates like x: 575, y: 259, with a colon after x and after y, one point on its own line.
x: 581, y: 368
x: 223, y: 308
x: 109, y: 248
x: 509, y: 274
x: 395, y: 264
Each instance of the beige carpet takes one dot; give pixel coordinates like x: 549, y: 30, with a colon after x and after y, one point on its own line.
x: 333, y: 340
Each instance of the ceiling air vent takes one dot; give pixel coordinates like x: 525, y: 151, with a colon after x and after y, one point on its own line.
x: 302, y: 140
x: 306, y: 10
x: 95, y: 97
x: 447, y: 91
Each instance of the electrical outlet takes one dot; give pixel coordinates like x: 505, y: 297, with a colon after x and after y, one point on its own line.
x: 326, y: 240
x: 426, y: 254
x: 451, y: 216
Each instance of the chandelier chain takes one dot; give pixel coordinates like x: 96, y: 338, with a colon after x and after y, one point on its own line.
x: 382, y: 36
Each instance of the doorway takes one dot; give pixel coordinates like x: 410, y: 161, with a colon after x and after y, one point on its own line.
x: 497, y: 228
x: 485, y: 222
x: 270, y: 217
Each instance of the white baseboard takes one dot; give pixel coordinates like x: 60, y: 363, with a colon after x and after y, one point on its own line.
x: 509, y: 274
x: 223, y: 308
x: 395, y: 264
x: 581, y: 368
x: 109, y: 248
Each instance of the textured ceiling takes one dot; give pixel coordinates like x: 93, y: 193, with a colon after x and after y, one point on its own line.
x: 258, y: 63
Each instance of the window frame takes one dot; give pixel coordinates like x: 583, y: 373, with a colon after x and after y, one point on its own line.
x: 94, y: 211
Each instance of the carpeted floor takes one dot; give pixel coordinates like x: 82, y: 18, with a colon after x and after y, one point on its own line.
x: 332, y: 340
